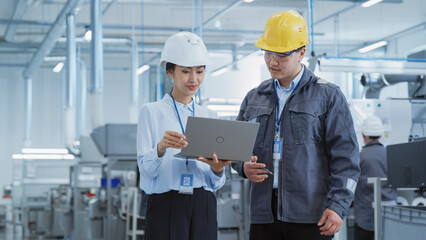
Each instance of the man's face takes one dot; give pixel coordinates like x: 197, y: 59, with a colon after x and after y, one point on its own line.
x: 284, y: 66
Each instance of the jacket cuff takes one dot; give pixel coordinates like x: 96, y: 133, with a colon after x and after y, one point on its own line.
x: 243, y: 174
x: 341, y: 211
x: 239, y: 167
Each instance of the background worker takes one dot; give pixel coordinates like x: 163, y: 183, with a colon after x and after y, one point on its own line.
x: 181, y: 203
x: 373, y: 164
x: 306, y: 138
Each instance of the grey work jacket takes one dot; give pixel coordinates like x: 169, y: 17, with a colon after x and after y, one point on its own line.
x: 373, y: 164
x: 320, y: 160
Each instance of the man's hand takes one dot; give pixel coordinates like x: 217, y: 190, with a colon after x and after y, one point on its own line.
x: 332, y: 221
x: 254, y: 171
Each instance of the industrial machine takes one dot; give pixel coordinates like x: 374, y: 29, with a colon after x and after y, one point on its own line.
x: 54, y: 211
x: 33, y: 179
x: 118, y: 194
x: 233, y: 207
x: 85, y: 179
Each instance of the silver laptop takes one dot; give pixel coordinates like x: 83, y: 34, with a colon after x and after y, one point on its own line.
x: 230, y: 140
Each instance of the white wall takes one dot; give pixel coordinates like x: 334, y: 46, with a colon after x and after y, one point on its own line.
x: 234, y: 83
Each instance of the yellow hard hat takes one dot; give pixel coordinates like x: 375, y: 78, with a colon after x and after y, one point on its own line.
x: 284, y: 31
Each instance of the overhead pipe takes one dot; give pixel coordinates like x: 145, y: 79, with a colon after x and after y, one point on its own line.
x: 337, y: 13
x: 70, y: 85
x: 392, y: 36
x: 96, y: 46
x: 37, y: 59
x: 145, y: 81
x: 135, y: 82
x: 127, y: 27
x: 235, y: 57
x: 96, y: 87
x: 336, y: 35
x: 199, y: 30
x: 159, y: 83
x: 108, y: 6
x: 20, y: 8
x: 223, y: 11
x: 28, y: 110
x: 81, y: 98
x: 311, y: 24
x: 50, y: 39
x: 374, y: 83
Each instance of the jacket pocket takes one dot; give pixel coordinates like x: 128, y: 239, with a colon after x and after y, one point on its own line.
x: 307, y: 121
x: 261, y: 114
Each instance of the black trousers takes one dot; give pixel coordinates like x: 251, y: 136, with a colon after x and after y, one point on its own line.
x: 174, y: 216
x: 280, y: 230
x: 362, y: 234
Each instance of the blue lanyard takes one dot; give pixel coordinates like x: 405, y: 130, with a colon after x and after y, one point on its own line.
x: 277, y: 131
x: 177, y: 112
x: 180, y: 120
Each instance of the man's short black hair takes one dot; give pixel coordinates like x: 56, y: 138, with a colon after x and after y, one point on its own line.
x: 374, y: 137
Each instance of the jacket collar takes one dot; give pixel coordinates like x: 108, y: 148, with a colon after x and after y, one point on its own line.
x: 372, y: 143
x: 267, y: 86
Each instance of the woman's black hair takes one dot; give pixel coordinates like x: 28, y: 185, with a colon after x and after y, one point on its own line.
x: 170, y: 66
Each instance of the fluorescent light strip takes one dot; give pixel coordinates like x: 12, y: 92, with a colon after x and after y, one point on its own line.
x: 234, y: 108
x: 45, y: 150
x: 248, y: 1
x: 142, y: 69
x: 226, y: 114
x: 58, y: 67
x: 43, y: 156
x: 225, y: 100
x: 220, y: 71
x: 372, y: 46
x: 370, y: 3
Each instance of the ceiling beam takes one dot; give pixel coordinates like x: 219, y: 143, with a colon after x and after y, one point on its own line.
x: 20, y: 8
x: 50, y: 39
x: 223, y: 11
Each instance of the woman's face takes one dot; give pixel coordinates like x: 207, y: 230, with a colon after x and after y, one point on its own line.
x: 187, y: 80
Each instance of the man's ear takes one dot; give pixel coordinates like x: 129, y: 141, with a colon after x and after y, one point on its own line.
x: 302, y: 54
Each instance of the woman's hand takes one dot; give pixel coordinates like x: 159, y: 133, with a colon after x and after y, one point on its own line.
x: 215, y: 164
x: 171, y: 139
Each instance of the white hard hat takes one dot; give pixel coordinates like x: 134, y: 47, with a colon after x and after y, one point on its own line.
x: 185, y: 49
x: 372, y: 127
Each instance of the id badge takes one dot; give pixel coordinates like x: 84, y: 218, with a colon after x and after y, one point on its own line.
x: 277, y: 149
x: 186, y: 184
x: 276, y: 155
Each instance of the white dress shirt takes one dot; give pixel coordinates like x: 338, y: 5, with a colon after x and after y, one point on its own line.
x: 162, y: 174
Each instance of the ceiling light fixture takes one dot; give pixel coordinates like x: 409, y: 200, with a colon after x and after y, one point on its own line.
x: 372, y: 46
x: 248, y: 1
x: 370, y: 3
x: 234, y: 108
x: 43, y: 156
x: 58, y: 67
x: 142, y: 69
x: 45, y: 150
x: 88, y: 35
